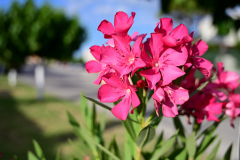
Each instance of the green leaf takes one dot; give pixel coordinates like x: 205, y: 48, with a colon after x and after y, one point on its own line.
x: 98, y: 103
x: 16, y: 158
x: 72, y: 120
x: 85, y: 111
x: 129, y: 127
x: 127, y: 147
x: 214, y: 151
x: 149, y: 95
x: 145, y: 136
x: 157, y: 154
x: 31, y: 156
x: 191, y: 145
x: 114, y: 147
x: 212, y: 127
x: 178, y: 125
x: 159, y: 141
x: 182, y: 155
x: 227, y: 155
x: 103, y: 121
x: 205, y: 143
x: 201, y: 87
x: 58, y: 154
x: 93, y: 118
x: 38, y: 150
x: 105, y: 106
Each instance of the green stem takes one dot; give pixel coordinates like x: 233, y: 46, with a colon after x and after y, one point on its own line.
x: 144, y: 106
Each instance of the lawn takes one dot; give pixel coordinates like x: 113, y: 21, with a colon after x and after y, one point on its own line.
x: 24, y: 118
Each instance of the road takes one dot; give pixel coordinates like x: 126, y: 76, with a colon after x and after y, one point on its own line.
x: 68, y: 82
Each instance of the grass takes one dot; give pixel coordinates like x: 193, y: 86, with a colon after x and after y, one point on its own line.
x: 23, y: 118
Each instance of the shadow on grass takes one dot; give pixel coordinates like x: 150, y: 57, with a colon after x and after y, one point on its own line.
x: 17, y: 131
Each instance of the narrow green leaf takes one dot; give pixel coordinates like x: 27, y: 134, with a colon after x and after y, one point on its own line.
x: 227, y: 155
x: 129, y: 127
x: 98, y: 103
x: 38, y: 150
x: 58, y: 156
x: 93, y: 125
x: 104, y: 150
x: 31, y: 156
x: 178, y: 125
x: 212, y: 127
x: 113, y: 146
x: 205, y: 143
x: 127, y: 147
x: 191, y: 145
x: 201, y: 87
x: 85, y: 110
x: 103, y: 121
x: 145, y: 136
x: 105, y: 106
x: 214, y: 151
x: 16, y: 158
x: 72, y: 120
x: 157, y: 154
x: 159, y: 141
x: 182, y: 155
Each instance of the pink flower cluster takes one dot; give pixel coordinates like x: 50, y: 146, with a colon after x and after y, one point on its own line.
x: 157, y: 62
x: 216, y: 98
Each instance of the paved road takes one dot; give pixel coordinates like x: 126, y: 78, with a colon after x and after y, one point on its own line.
x: 69, y: 81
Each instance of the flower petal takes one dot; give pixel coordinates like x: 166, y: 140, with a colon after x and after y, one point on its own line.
x: 96, y: 51
x: 137, y: 47
x: 122, y: 108
x: 112, y: 80
x: 214, y: 108
x: 106, y: 27
x: 178, y: 94
x: 170, y: 73
x: 169, y: 109
x: 179, y: 32
x: 176, y: 57
x: 93, y: 67
x: 159, y: 95
x: 169, y: 41
x: 138, y: 63
x: 151, y: 76
x: 122, y: 43
x: 203, y: 65
x: 107, y: 93
x: 156, y: 44
x: 199, y: 48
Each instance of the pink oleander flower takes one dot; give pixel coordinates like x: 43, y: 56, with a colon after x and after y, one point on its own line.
x: 232, y: 107
x: 226, y: 79
x: 206, y: 105
x: 95, y: 66
x: 170, y: 96
x: 133, y: 38
x: 116, y: 89
x: 197, y: 50
x: 172, y: 38
x: 121, y: 23
x: 125, y: 59
x: 163, y: 62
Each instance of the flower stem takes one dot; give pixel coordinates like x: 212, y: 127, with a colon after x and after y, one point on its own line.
x: 138, y: 153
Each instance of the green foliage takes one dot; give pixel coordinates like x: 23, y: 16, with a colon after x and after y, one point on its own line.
x: 191, y: 145
x: 220, y: 19
x: 145, y: 136
x: 27, y: 30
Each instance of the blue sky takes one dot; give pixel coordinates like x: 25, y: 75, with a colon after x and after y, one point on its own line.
x: 92, y: 12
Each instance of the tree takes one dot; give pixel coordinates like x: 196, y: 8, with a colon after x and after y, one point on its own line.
x: 27, y: 30
x: 217, y: 8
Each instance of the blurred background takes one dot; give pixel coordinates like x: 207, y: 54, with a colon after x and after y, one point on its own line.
x: 44, y: 45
